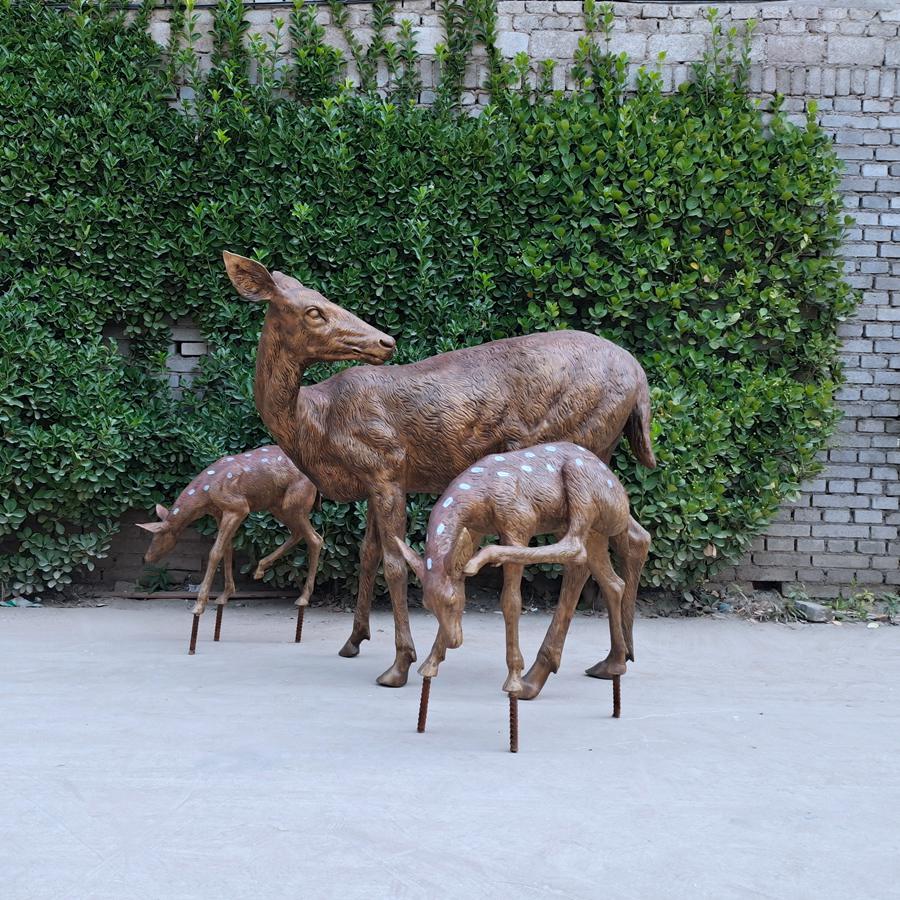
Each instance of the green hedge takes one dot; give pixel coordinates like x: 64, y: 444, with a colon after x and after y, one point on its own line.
x: 679, y: 225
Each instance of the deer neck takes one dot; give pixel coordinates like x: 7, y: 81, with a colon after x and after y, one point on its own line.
x: 285, y: 406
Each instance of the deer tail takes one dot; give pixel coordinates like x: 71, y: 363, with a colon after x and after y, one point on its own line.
x: 637, y: 428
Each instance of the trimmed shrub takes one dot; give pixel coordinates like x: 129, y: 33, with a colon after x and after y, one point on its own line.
x: 682, y: 226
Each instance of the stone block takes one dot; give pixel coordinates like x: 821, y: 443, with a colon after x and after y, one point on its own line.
x: 855, y: 50
x: 794, y: 48
x: 678, y: 48
x: 553, y: 44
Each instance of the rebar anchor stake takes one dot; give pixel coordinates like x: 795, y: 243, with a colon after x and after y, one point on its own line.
x: 218, y: 631
x: 194, y: 627
x: 299, y: 633
x: 617, y: 696
x: 513, y: 723
x: 423, y: 704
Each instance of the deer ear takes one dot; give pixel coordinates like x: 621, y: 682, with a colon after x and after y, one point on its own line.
x: 152, y: 527
x: 251, y: 279
x: 463, y: 550
x: 413, y: 560
x: 162, y: 512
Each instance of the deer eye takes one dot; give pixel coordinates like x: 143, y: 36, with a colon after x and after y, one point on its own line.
x: 315, y: 314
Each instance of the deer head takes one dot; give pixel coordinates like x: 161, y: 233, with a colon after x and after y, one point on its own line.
x: 308, y: 325
x: 164, y: 536
x: 443, y: 584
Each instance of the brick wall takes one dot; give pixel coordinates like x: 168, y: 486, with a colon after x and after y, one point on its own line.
x: 843, y: 530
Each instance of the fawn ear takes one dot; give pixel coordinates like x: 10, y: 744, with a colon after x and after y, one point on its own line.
x: 152, y: 526
x: 463, y: 550
x: 252, y: 279
x: 413, y: 560
x: 162, y: 512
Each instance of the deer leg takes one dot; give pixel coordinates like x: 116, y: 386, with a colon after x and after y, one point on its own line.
x: 313, y: 548
x: 569, y: 549
x: 228, y: 526
x: 550, y: 655
x: 268, y: 561
x: 613, y: 589
x: 369, y: 556
x: 429, y: 668
x: 390, y: 514
x: 511, y: 604
x: 227, y: 590
x: 631, y: 548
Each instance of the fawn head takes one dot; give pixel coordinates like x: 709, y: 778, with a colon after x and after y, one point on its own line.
x: 309, y: 326
x: 443, y: 584
x: 164, y: 536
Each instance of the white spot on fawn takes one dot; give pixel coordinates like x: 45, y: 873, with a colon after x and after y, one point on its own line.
x: 280, y: 458
x: 526, y: 468
x: 176, y: 510
x: 550, y: 449
x: 191, y: 492
x: 428, y: 563
x: 530, y: 455
x: 503, y: 474
x: 500, y: 458
x: 579, y: 461
x: 249, y: 454
x: 210, y: 471
x: 264, y: 459
x: 550, y: 468
x: 447, y: 502
x: 476, y: 469
x: 229, y: 459
x: 465, y: 487
x: 230, y: 475
x: 441, y: 528
x: 265, y: 449
x: 608, y: 483
x: 205, y: 487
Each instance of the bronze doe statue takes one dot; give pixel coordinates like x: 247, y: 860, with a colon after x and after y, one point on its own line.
x: 380, y: 433
x: 558, y: 488
x: 229, y: 490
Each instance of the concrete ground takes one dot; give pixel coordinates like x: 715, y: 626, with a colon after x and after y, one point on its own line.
x: 751, y: 761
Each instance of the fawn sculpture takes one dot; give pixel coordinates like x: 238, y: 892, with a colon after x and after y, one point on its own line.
x: 229, y: 490
x: 558, y: 488
x: 380, y: 433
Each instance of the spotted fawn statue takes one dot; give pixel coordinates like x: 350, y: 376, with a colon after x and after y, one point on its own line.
x: 561, y: 489
x: 229, y: 490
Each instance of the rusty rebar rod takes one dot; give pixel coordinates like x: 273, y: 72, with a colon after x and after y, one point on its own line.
x: 194, y: 627
x: 218, y: 631
x: 513, y: 723
x: 299, y: 632
x: 423, y: 704
x: 617, y: 697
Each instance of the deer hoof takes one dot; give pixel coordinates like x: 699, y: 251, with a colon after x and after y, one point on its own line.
x: 529, y: 690
x: 396, y: 675
x: 606, y: 669
x: 349, y: 650
x: 258, y: 574
x: 199, y: 607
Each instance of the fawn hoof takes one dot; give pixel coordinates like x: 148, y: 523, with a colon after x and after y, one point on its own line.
x: 429, y: 669
x: 349, y: 650
x: 535, y: 679
x: 606, y: 669
x: 529, y: 690
x: 258, y: 574
x: 512, y: 686
x: 303, y: 600
x: 199, y: 607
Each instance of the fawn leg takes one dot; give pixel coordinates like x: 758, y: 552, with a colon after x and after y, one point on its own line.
x: 631, y: 548
x: 267, y: 561
x: 613, y: 589
x: 228, y: 589
x: 369, y: 555
x: 313, y: 548
x: 550, y: 654
x: 511, y: 604
x: 228, y: 526
x: 390, y: 514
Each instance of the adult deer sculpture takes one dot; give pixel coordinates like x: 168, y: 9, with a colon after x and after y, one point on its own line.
x: 380, y: 433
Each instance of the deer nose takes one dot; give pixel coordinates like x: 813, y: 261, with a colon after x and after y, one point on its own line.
x: 388, y: 343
